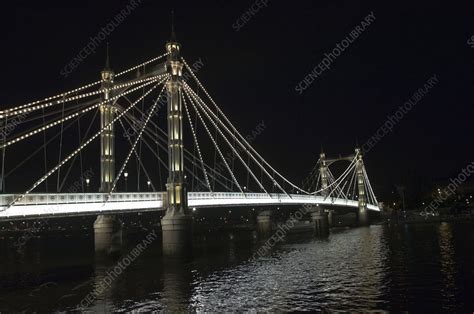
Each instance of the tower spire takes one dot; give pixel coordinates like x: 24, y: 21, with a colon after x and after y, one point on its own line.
x: 107, y: 60
x: 173, y: 34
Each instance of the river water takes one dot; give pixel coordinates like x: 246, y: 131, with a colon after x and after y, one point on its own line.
x: 418, y: 267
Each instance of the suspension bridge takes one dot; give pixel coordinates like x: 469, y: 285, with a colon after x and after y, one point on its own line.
x: 137, y: 120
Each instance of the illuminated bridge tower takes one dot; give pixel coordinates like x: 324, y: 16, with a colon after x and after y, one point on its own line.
x: 107, y: 140
x: 107, y: 228
x: 323, y: 171
x: 363, y: 215
x: 177, y: 222
x: 320, y: 216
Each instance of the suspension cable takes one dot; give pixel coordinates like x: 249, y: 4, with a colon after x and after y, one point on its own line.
x: 60, y: 148
x: 199, y: 100
x: 214, y: 142
x: 45, y: 156
x: 142, y: 64
x: 114, y: 184
x: 66, y: 176
x: 19, y: 198
x: 233, y: 149
x: 196, y: 143
x: 138, y: 158
x: 17, y: 139
x: 341, y: 177
x: 240, y: 135
x: 188, y: 155
x: 19, y: 164
x: 370, y: 186
x: 7, y: 112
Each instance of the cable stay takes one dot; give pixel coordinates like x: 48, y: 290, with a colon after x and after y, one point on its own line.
x: 65, y: 160
x: 242, y: 138
x: 69, y: 117
x: 208, y: 112
x: 226, y: 140
x: 31, y: 105
x: 122, y: 169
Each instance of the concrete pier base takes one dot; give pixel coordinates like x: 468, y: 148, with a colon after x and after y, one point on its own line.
x: 177, y: 235
x: 320, y: 221
x: 363, y: 217
x: 264, y: 222
x: 107, y: 234
x: 330, y: 218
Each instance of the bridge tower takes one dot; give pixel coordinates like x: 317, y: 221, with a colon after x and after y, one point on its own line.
x: 107, y: 139
x: 321, y: 217
x: 177, y: 223
x: 363, y: 215
x: 323, y: 170
x: 107, y: 229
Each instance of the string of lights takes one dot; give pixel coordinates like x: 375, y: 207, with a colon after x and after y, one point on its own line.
x: 198, y: 99
x: 6, y: 112
x: 341, y: 177
x: 369, y: 185
x: 142, y: 64
x: 71, y: 116
x: 134, y: 82
x: 215, y: 144
x: 122, y: 169
x: 196, y: 143
x: 81, y: 147
x: 235, y: 130
x: 138, y: 158
x: 153, y: 135
x: 231, y: 146
x: 16, y: 110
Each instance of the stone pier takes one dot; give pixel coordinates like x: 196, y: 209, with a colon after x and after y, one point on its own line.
x: 264, y: 221
x: 321, y: 224
x: 177, y: 235
x: 107, y: 234
x: 330, y: 218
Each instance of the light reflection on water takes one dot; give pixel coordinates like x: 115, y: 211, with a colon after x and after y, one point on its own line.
x: 301, y: 276
x: 426, y: 267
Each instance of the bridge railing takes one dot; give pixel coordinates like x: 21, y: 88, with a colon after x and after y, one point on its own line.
x: 274, y: 198
x: 77, y: 198
x: 230, y: 195
x: 202, y: 199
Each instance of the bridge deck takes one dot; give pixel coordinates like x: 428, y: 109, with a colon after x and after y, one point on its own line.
x: 82, y: 204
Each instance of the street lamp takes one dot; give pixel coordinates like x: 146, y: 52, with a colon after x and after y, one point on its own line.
x: 87, y: 184
x: 125, y: 175
x: 149, y: 184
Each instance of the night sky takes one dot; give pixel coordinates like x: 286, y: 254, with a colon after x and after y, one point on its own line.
x: 252, y: 73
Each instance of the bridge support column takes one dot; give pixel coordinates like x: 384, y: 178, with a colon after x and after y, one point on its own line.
x: 107, y: 234
x: 321, y: 224
x: 264, y: 221
x: 330, y: 218
x: 177, y: 235
x: 363, y: 214
x: 107, y: 228
x: 176, y: 225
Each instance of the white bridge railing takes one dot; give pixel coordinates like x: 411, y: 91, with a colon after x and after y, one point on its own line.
x: 77, y: 204
x: 207, y: 199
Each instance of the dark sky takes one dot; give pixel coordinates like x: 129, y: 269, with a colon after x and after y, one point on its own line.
x: 252, y: 73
